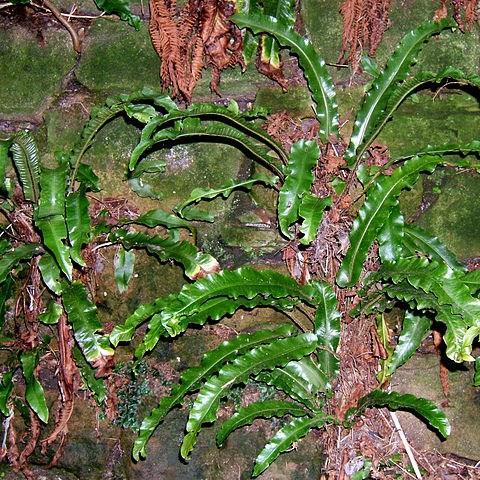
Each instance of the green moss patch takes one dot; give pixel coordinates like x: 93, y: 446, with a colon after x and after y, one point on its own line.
x: 454, y: 216
x: 296, y: 101
x: 432, y: 120
x: 117, y: 58
x: 31, y: 74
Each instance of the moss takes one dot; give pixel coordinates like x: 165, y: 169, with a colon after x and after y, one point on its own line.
x: 296, y: 101
x: 323, y: 23
x: 31, y: 74
x: 253, y: 241
x: 454, y: 216
x: 233, y: 84
x: 411, y: 200
x: 428, y: 120
x: 64, y: 127
x: 117, y: 58
x: 203, y: 165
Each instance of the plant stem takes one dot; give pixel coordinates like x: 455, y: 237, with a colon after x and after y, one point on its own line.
x: 57, y: 14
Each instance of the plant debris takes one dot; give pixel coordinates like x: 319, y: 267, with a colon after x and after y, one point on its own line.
x: 192, y: 38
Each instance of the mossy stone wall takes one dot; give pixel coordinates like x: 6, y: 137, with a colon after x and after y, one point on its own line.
x: 46, y: 87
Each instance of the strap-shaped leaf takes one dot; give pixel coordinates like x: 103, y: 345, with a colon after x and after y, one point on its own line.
x: 240, y: 129
x: 316, y: 73
x: 472, y: 280
x: 95, y: 385
x: 212, y: 298
x: 82, y: 315
x: 277, y: 353
x: 414, y: 297
x: 410, y: 85
x: 157, y: 217
x: 397, y: 401
x: 298, y: 182
x: 301, y: 380
x: 141, y: 112
x: 212, y: 131
x: 78, y: 223
x: 196, y: 264
x: 284, y: 12
x: 54, y: 232
x: 285, y: 438
x: 249, y: 40
x: 34, y: 393
x: 384, y: 85
x: 390, y: 236
x: 261, y: 409
x: 418, y: 240
x: 375, y: 212
x: 50, y: 273
x: 125, y: 331
x: 26, y: 159
x: 6, y: 388
x: 199, y: 194
x: 191, y: 379
x: 311, y: 211
x: 247, y: 283
x: 448, y: 148
x: 52, y: 192
x: 123, y: 264
x: 211, y: 310
x: 12, y: 258
x: 51, y: 314
x: 455, y: 305
x: 101, y: 115
x: 414, y: 331
x: 327, y: 328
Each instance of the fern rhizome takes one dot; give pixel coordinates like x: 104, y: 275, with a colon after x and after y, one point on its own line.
x: 351, y: 256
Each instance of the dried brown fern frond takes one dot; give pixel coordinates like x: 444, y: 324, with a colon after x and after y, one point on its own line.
x: 222, y: 40
x: 364, y: 23
x: 465, y: 13
x: 165, y: 39
x: 192, y: 38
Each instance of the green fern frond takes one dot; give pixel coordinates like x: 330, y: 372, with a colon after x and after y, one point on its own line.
x: 113, y: 107
x: 262, y: 409
x: 301, y: 380
x: 27, y: 162
x: 199, y: 194
x: 191, y: 379
x: 218, y: 114
x: 298, y: 182
x: 327, y: 327
x: 316, y: 73
x: 195, y: 263
x: 381, y: 198
x: 277, y: 353
x: 383, y: 86
x: 285, y: 438
x: 397, y: 401
x: 406, y: 88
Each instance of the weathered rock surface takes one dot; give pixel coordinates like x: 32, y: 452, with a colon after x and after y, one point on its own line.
x: 420, y: 376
